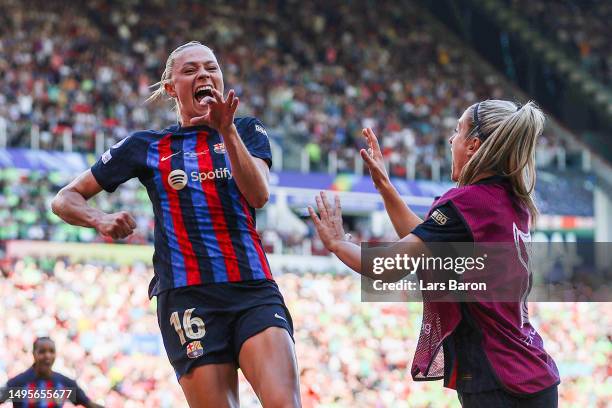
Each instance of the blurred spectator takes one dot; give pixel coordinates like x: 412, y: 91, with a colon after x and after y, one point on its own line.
x: 315, y: 74
x: 25, y: 208
x: 25, y: 213
x: 582, y: 27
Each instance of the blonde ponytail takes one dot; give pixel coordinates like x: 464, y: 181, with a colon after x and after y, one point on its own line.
x: 509, y: 134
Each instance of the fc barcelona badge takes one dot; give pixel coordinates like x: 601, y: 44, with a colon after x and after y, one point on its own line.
x: 195, y: 349
x: 219, y: 148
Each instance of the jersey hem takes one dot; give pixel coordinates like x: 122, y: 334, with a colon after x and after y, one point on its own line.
x: 159, y: 292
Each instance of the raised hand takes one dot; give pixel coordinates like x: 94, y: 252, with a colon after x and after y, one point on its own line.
x: 329, y: 225
x: 373, y: 158
x: 118, y: 225
x: 220, y: 115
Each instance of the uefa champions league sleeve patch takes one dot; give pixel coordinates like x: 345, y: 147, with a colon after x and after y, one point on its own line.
x: 439, y: 217
x: 261, y: 129
x: 445, y: 224
x: 106, y: 156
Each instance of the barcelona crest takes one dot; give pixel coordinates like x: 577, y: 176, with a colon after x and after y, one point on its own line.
x: 219, y: 148
x: 195, y: 349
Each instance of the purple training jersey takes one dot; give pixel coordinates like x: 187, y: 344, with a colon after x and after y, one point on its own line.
x: 513, y: 347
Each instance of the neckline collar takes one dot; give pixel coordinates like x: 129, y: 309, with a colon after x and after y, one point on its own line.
x: 494, y: 179
x: 184, y: 129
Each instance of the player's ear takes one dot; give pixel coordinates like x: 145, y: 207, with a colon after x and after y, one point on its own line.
x: 473, y: 144
x: 169, y: 88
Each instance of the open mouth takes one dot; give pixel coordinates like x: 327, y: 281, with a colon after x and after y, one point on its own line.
x: 202, y: 92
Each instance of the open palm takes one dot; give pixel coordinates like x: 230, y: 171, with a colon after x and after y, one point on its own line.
x: 373, y: 158
x: 329, y: 222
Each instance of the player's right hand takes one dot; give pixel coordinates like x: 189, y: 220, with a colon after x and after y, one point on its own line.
x: 117, y: 225
x: 373, y: 158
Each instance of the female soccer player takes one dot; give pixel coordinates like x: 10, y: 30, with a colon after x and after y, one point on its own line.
x: 491, y: 353
x: 218, y: 307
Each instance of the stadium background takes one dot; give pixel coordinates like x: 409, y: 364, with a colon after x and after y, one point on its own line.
x: 73, y: 78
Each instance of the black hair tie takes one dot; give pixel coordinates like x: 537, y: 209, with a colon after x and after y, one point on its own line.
x: 482, y: 136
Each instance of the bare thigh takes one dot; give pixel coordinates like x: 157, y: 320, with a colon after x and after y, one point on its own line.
x: 269, y: 364
x: 211, y: 386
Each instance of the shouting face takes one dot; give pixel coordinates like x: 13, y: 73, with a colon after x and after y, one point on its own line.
x: 195, y: 73
x: 463, y: 145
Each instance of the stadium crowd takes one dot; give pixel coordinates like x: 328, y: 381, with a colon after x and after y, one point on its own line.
x: 25, y: 212
x: 25, y: 209
x: 581, y: 27
x: 350, y: 353
x: 315, y: 74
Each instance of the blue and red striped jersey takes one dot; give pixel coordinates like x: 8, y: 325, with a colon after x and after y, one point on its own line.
x: 204, y: 227
x: 29, y: 381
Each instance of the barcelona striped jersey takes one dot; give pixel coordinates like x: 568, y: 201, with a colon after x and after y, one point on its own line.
x: 204, y: 227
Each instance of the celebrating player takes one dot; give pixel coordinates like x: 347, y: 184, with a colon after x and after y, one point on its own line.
x: 491, y: 354
x: 217, y: 304
x: 53, y: 388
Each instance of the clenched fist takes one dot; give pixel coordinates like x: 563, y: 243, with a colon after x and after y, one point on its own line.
x: 117, y: 225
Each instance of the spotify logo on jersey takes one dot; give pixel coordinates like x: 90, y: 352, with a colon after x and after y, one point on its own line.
x: 177, y: 179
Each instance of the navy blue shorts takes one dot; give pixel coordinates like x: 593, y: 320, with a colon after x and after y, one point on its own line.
x: 207, y: 324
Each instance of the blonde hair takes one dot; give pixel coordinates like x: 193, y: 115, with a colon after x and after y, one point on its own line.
x: 509, y: 134
x: 166, y: 77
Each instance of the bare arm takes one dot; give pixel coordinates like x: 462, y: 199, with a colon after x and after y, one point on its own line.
x: 251, y: 173
x: 70, y: 204
x: 404, y: 220
x: 350, y: 255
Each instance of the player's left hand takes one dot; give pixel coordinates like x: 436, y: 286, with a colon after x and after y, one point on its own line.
x: 221, y: 111
x: 375, y: 161
x: 329, y: 225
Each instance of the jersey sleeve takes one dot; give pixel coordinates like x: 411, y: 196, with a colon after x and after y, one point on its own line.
x: 80, y: 398
x: 255, y: 138
x: 118, y: 164
x: 15, y: 382
x: 445, y: 224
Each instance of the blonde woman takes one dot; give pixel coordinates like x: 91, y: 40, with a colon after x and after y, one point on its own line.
x: 488, y: 351
x: 218, y: 307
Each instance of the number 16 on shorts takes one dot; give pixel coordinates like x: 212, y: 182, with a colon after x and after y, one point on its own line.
x: 193, y: 328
